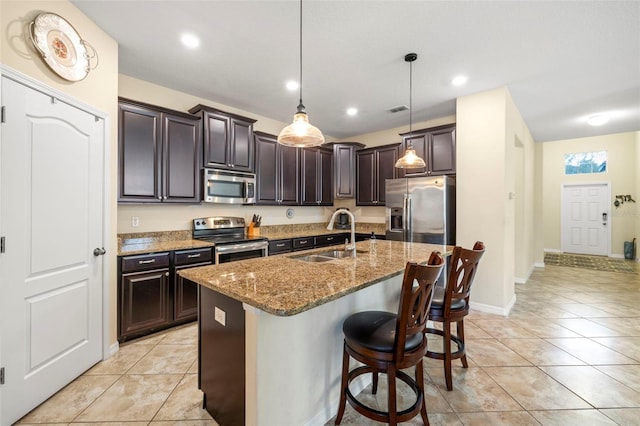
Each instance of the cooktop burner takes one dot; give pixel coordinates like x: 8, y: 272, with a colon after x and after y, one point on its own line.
x: 222, y: 230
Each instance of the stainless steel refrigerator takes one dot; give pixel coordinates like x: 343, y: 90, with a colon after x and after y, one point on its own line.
x: 422, y: 209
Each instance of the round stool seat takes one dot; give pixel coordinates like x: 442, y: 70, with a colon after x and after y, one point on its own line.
x: 376, y: 330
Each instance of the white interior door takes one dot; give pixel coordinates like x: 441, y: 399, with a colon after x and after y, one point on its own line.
x: 51, y: 216
x: 586, y: 219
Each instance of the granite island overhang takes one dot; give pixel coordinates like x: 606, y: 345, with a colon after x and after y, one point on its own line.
x: 270, y: 329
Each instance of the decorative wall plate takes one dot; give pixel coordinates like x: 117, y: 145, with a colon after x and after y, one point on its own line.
x: 61, y: 47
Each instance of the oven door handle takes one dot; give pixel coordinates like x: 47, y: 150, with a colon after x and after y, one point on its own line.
x: 236, y: 248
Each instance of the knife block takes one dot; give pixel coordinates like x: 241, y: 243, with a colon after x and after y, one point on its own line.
x: 253, y: 231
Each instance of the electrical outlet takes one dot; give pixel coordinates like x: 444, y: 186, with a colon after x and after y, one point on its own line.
x: 220, y: 316
x: 135, y: 221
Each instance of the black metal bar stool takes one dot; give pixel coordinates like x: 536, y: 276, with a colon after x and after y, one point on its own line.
x: 387, y: 343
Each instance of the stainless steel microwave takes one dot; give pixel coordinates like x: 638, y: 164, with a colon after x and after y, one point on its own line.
x: 225, y: 187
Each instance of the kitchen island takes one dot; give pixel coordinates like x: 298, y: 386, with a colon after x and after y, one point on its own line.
x: 270, y: 329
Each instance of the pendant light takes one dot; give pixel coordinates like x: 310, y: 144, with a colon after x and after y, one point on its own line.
x: 410, y: 159
x: 301, y: 133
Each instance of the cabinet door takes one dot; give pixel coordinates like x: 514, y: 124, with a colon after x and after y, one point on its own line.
x: 139, y: 154
x: 288, y: 172
x: 267, y: 180
x: 385, y: 165
x: 366, y: 177
x: 421, y: 145
x: 144, y: 303
x: 181, y: 165
x: 442, y: 151
x: 325, y: 178
x: 309, y: 176
x: 215, y: 139
x: 241, y: 146
x: 345, y: 170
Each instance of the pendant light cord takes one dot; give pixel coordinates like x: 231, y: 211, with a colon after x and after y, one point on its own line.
x: 301, y: 54
x: 410, y: 102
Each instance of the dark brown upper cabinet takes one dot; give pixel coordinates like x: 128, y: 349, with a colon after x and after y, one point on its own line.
x: 158, y: 154
x: 316, y: 177
x: 373, y: 167
x: 227, y: 139
x: 277, y: 171
x: 437, y: 146
x: 344, y: 175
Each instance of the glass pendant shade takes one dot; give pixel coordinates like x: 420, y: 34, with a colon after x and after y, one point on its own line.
x: 301, y: 133
x: 410, y: 160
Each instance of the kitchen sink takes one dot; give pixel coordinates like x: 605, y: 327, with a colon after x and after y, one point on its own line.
x: 313, y: 258
x: 326, y: 256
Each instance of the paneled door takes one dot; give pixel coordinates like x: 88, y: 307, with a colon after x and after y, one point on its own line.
x: 51, y: 219
x: 586, y: 219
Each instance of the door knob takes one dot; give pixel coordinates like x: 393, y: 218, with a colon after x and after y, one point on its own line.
x: 99, y: 251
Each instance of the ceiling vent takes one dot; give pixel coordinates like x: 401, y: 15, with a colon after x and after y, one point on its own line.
x: 398, y: 108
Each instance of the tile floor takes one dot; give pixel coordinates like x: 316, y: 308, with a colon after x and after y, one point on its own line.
x: 569, y: 354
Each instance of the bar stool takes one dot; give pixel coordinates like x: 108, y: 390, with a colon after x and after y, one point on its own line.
x: 451, y: 304
x: 387, y: 343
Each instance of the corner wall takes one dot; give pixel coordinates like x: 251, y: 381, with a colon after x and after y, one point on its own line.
x: 489, y: 130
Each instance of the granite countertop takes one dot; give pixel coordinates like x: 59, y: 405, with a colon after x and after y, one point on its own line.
x: 283, y: 285
x: 154, y: 242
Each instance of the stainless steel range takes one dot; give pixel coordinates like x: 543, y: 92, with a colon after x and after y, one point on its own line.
x: 229, y: 238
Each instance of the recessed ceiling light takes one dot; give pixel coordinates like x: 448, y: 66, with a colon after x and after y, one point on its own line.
x: 292, y: 85
x: 459, y: 80
x: 190, y: 41
x: 352, y: 111
x: 598, y: 119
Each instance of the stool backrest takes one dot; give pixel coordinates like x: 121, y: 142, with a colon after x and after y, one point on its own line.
x: 415, y: 301
x: 464, y: 264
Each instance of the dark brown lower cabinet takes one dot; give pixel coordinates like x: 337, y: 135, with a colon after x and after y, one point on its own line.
x: 152, y: 296
x: 221, y: 357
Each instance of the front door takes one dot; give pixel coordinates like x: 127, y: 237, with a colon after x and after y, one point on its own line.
x: 585, y: 219
x: 51, y: 219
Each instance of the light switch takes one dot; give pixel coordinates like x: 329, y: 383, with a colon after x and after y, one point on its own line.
x: 135, y: 221
x: 220, y: 316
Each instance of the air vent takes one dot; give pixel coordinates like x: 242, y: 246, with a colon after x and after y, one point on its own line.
x: 398, y: 108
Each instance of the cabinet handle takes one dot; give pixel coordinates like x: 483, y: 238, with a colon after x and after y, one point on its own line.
x: 304, y: 242
x: 329, y: 238
x: 166, y: 274
x: 143, y: 262
x: 164, y: 198
x: 280, y: 245
x: 191, y: 256
x: 159, y: 197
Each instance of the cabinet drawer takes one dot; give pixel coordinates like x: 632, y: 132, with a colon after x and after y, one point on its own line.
x: 145, y: 262
x: 187, y: 257
x: 329, y: 240
x: 280, y: 246
x: 303, y: 243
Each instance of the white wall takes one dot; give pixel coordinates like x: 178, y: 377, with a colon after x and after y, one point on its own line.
x: 99, y: 89
x: 636, y: 194
x: 622, y: 171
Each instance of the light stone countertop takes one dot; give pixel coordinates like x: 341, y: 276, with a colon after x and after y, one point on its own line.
x: 158, y: 246
x: 282, y: 285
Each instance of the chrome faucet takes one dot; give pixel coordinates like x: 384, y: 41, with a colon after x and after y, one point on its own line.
x: 352, y: 245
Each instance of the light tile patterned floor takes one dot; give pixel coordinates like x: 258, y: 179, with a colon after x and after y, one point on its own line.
x: 569, y: 354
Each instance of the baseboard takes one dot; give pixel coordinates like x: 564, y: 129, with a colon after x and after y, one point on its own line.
x: 496, y: 310
x: 539, y: 264
x: 548, y: 250
x: 519, y: 280
x: 617, y: 256
x: 113, y: 349
x: 356, y: 386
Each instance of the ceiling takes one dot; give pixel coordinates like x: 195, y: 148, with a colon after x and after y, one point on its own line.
x: 560, y: 60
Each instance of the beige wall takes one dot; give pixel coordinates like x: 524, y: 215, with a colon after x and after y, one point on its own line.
x: 636, y: 194
x: 98, y: 90
x: 493, y: 145
x: 622, y: 170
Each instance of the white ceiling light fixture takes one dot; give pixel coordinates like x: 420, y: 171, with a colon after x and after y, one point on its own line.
x: 301, y: 133
x: 352, y: 111
x: 598, y: 119
x: 459, y: 80
x: 410, y: 160
x: 292, y: 85
x: 190, y: 40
